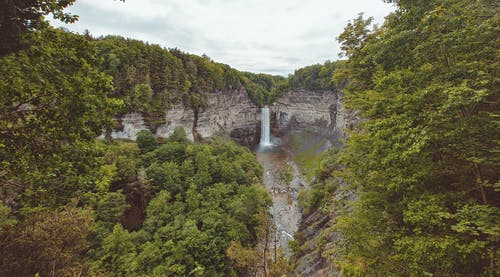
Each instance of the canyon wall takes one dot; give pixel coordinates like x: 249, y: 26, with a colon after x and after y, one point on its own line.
x: 320, y: 111
x: 228, y: 111
x: 304, y: 109
x: 310, y: 261
x: 233, y: 113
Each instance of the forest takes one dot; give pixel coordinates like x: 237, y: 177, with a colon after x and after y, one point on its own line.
x: 415, y: 190
x: 412, y: 191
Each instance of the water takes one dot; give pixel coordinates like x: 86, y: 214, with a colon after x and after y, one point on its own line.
x: 265, y: 134
x: 277, y: 163
x: 284, y: 193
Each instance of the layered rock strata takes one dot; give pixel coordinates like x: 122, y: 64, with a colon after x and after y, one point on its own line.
x: 230, y: 112
x: 311, y: 261
x: 304, y: 109
x: 233, y: 113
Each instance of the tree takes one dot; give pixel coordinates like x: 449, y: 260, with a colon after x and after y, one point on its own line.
x: 53, y: 104
x: 19, y: 17
x: 266, y: 258
x: 139, y: 98
x: 119, y: 252
x: 48, y: 243
x: 423, y: 163
x: 178, y: 135
x: 146, y: 141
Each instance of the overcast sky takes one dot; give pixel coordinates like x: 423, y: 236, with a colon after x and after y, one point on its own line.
x: 269, y: 36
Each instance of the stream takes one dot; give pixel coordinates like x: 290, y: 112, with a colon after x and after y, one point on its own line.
x: 283, y: 181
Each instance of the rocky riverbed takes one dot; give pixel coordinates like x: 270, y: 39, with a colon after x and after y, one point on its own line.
x: 283, y: 181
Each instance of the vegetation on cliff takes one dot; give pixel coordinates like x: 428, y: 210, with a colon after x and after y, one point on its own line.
x: 313, y: 78
x: 416, y: 190
x: 150, y: 79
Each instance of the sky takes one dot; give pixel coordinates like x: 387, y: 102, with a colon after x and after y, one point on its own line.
x: 261, y: 36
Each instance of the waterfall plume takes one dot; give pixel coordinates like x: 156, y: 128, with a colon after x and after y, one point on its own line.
x: 265, y: 134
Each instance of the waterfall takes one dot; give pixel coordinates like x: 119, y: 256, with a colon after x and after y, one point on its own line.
x: 265, y: 134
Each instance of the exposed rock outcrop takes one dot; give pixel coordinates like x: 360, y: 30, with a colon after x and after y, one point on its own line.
x: 228, y: 111
x: 344, y: 119
x: 130, y: 125
x: 311, y: 261
x: 322, y: 111
x: 304, y: 109
x: 177, y: 116
x: 232, y: 112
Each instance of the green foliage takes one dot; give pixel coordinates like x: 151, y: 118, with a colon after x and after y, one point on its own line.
x: 138, y: 99
x: 325, y: 186
x: 71, y: 205
x: 179, y: 135
x: 20, y: 17
x: 53, y: 104
x: 47, y: 242
x: 150, y: 79
x: 264, y: 89
x: 199, y: 198
x: 146, y: 141
x: 315, y: 77
x: 424, y: 161
x: 266, y: 258
x: 6, y: 221
x: 119, y: 253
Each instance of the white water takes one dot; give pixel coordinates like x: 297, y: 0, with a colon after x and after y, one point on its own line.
x: 265, y: 134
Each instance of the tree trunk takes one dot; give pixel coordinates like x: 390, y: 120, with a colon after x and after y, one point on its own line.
x: 479, y: 181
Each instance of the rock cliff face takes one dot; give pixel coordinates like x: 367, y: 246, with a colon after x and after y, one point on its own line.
x: 131, y: 124
x: 322, y: 111
x: 177, y: 116
x: 310, y: 261
x: 344, y: 119
x: 230, y: 112
x: 303, y: 109
x: 234, y: 113
x: 224, y: 111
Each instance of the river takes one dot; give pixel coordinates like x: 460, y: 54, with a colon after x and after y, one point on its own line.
x: 283, y: 181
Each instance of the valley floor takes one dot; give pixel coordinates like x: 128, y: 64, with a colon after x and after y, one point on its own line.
x: 283, y: 180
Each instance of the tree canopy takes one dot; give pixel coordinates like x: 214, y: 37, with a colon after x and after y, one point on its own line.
x: 423, y: 165
x: 19, y: 17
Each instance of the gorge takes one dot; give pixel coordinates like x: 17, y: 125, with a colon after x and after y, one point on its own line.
x: 233, y: 113
x: 317, y: 118
x: 382, y: 163
x: 216, y: 171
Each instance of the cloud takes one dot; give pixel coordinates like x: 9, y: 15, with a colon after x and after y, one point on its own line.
x: 269, y: 36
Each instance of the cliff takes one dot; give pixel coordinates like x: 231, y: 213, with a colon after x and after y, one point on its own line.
x: 311, y: 234
x: 233, y: 113
x: 304, y: 109
x: 226, y: 111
